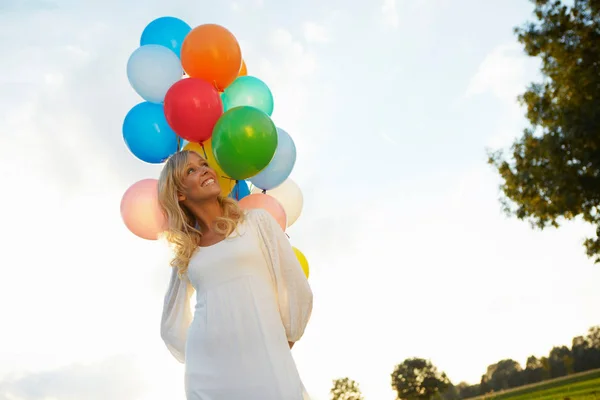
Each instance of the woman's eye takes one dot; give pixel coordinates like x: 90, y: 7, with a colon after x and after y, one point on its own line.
x: 190, y: 170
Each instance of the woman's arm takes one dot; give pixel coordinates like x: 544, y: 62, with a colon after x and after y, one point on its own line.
x: 176, y: 315
x: 294, y: 295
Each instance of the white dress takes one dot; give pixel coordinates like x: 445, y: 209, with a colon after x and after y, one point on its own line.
x: 252, y: 298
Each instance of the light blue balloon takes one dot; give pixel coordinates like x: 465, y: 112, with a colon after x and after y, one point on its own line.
x: 240, y: 190
x: 248, y: 91
x: 147, y: 133
x: 280, y: 166
x: 152, y: 70
x: 168, y: 32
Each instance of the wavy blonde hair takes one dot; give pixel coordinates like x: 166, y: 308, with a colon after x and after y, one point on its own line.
x: 181, y: 232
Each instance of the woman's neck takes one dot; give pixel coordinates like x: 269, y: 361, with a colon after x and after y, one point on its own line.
x: 206, y: 214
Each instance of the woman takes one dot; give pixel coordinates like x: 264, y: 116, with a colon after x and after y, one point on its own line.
x: 252, y: 299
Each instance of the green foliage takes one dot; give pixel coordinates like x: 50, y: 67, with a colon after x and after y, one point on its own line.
x: 418, y: 379
x: 583, y: 356
x: 553, y: 173
x: 345, y: 389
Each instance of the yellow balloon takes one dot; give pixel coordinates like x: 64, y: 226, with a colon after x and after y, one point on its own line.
x: 303, y: 261
x: 225, y: 181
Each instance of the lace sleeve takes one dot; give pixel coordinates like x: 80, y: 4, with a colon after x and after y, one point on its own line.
x: 176, y: 315
x: 294, y: 295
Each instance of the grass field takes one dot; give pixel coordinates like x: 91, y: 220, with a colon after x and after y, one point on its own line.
x: 584, y: 386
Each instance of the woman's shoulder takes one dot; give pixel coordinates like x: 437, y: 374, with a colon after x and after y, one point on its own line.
x: 257, y: 216
x: 256, y: 213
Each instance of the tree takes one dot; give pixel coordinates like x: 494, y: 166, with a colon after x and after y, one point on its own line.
x: 345, y: 389
x: 504, y: 375
x: 553, y: 173
x: 534, y: 371
x: 586, y: 351
x: 581, y: 354
x: 418, y: 379
x: 465, y: 390
x: 561, y: 361
x: 593, y: 340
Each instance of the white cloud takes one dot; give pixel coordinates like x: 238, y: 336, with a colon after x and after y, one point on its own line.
x: 315, y: 33
x: 504, y: 73
x: 299, y: 62
x: 389, y: 13
x: 117, y: 378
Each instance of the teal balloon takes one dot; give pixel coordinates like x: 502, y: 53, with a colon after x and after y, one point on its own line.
x: 244, y: 141
x: 248, y: 91
x: 280, y: 166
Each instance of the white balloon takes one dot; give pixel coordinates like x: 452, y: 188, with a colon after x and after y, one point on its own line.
x: 289, y: 196
x: 152, y: 70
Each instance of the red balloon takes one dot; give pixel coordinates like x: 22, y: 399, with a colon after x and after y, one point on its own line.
x: 192, y: 108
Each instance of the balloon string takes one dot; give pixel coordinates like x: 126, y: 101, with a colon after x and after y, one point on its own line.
x: 204, y: 151
x: 264, y: 191
x: 237, y: 191
x: 178, y: 143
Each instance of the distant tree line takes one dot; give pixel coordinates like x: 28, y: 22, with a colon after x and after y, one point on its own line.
x: 584, y: 355
x: 419, y: 379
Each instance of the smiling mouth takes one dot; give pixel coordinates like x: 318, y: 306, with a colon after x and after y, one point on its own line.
x: 208, y: 182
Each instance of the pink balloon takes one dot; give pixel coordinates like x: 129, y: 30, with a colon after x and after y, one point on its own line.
x: 140, y: 210
x: 268, y: 203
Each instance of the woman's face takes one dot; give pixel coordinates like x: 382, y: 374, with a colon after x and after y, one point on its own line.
x: 199, y: 181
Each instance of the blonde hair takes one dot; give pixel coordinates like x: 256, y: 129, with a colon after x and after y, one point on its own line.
x: 182, y: 232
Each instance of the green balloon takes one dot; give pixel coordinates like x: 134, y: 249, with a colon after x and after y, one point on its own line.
x: 244, y: 141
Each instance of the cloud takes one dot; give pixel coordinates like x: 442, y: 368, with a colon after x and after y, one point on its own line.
x: 504, y: 73
x: 389, y: 13
x: 315, y: 33
x: 26, y: 5
x: 115, y: 378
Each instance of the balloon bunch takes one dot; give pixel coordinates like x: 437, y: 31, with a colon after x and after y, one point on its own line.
x: 198, y: 96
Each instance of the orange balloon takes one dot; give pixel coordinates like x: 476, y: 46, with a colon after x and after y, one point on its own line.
x: 212, y: 53
x: 243, y: 69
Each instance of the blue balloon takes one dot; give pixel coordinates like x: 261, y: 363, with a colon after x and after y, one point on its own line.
x: 147, y: 133
x: 152, y: 70
x: 240, y: 190
x: 280, y: 166
x: 248, y: 91
x: 168, y: 32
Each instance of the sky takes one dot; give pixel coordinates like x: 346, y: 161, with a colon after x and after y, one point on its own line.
x: 392, y: 105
